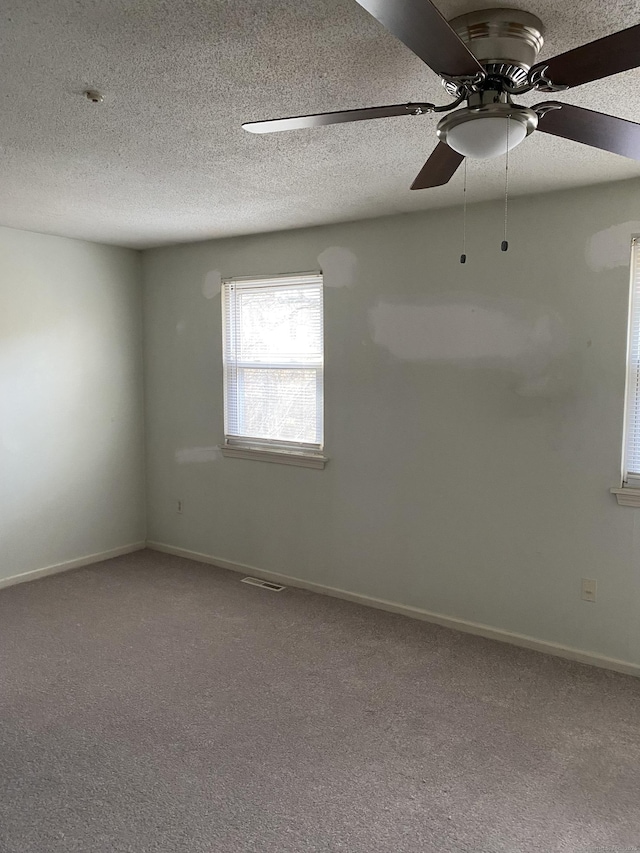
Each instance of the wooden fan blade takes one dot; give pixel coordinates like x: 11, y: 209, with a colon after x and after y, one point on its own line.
x: 421, y: 26
x: 591, y: 128
x: 319, y: 119
x: 439, y: 168
x: 601, y: 58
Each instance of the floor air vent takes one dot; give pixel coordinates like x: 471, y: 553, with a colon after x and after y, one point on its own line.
x: 274, y: 587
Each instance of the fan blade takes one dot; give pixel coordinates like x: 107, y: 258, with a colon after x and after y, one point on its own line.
x: 319, y: 119
x: 439, y: 168
x: 601, y: 58
x: 591, y: 128
x: 420, y: 25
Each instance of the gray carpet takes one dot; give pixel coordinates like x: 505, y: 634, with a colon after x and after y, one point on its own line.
x: 150, y: 703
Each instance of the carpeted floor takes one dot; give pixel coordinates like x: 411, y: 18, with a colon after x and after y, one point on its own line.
x: 150, y: 703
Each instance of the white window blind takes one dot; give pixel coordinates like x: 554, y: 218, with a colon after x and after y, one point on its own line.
x: 273, y: 362
x: 631, y: 473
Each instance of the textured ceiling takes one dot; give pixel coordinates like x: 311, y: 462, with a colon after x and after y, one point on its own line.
x: 163, y: 159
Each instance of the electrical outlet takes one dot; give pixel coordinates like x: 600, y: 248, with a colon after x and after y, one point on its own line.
x: 179, y: 505
x: 589, y: 587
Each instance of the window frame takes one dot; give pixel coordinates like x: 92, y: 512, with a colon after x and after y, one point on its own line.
x: 628, y: 493
x: 305, y: 454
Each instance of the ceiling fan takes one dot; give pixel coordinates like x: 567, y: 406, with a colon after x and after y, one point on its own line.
x: 487, y: 58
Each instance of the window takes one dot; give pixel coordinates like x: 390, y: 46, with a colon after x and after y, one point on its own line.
x: 631, y: 467
x: 273, y: 364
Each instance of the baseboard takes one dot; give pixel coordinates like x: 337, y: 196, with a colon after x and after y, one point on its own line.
x: 34, y: 574
x: 456, y: 624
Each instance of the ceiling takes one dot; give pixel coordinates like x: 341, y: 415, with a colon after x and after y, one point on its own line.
x: 163, y: 159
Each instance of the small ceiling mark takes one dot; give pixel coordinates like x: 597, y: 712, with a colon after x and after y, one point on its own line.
x: 94, y: 96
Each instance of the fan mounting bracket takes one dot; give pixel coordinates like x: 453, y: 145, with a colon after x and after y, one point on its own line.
x: 539, y: 79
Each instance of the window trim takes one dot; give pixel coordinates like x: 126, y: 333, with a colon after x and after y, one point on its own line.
x: 628, y: 492
x: 284, y: 457
x: 626, y: 496
x: 307, y: 455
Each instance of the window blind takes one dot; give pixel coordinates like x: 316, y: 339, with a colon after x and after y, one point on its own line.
x: 273, y: 361
x: 631, y: 473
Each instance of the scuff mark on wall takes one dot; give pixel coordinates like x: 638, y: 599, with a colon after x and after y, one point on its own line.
x: 339, y: 266
x: 187, y: 455
x: 212, y: 284
x: 472, y: 331
x: 181, y: 325
x: 611, y: 248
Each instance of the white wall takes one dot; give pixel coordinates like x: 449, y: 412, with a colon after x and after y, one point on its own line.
x: 473, y: 416
x: 71, y: 428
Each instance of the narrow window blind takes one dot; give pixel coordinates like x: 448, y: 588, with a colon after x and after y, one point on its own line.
x: 273, y: 361
x: 631, y: 473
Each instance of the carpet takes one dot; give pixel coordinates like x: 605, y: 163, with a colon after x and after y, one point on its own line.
x: 150, y: 703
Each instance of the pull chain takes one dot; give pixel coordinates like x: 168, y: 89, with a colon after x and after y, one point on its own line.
x: 463, y: 256
x: 505, y: 244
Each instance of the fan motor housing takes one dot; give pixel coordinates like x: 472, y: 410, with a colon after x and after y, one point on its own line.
x: 506, y: 42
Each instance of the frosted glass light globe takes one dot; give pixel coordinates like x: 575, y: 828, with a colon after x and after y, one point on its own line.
x: 483, y: 138
x: 482, y: 133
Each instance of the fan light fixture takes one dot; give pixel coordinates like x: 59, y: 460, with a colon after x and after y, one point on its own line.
x: 487, y: 132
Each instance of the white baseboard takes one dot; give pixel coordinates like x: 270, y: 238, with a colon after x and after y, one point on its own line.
x: 34, y: 574
x: 414, y: 612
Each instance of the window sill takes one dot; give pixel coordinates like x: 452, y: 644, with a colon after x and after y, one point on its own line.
x: 302, y: 460
x: 627, y: 497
